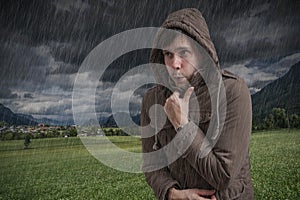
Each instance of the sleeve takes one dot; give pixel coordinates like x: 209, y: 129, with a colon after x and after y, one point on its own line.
x: 226, y: 157
x: 159, y: 180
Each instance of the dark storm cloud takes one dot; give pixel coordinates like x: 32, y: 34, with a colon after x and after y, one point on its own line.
x: 240, y: 29
x: 43, y: 43
x: 258, y: 29
x: 28, y: 95
x: 65, y: 68
x: 34, y: 23
x: 20, y: 63
x: 6, y: 93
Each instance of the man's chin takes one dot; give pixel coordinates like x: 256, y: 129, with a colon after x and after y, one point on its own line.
x: 181, y: 85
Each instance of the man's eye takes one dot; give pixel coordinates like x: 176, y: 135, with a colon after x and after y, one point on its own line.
x: 183, y: 53
x: 168, y: 54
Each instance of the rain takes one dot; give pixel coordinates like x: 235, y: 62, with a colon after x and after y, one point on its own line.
x: 44, y: 44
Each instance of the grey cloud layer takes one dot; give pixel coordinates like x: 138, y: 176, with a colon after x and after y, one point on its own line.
x: 43, y: 43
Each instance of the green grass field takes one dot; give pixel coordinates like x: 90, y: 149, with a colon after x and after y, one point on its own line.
x: 62, y: 168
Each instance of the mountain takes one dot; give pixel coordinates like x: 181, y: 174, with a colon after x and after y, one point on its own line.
x: 15, y: 119
x: 122, y: 119
x: 281, y: 93
x: 54, y: 122
x: 23, y: 119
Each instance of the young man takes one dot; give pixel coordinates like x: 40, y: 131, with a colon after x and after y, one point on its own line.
x: 201, y: 150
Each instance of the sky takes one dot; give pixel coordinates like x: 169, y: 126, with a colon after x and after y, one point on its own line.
x: 44, y: 43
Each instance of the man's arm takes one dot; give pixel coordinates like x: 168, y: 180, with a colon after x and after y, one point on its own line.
x: 196, y: 194
x: 159, y: 180
x: 229, y: 153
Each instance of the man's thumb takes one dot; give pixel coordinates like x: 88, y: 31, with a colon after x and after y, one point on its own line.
x: 202, y: 192
x: 188, y: 94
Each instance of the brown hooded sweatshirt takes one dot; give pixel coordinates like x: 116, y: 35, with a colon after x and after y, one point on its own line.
x: 225, y: 166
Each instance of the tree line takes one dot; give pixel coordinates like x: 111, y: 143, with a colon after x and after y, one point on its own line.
x: 277, y: 119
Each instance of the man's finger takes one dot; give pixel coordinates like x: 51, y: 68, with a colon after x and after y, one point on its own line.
x: 174, y: 97
x: 176, y: 93
x: 188, y: 94
x: 205, y: 192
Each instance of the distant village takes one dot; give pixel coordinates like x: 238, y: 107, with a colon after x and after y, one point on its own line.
x: 10, y: 132
x: 17, y: 132
x: 40, y: 128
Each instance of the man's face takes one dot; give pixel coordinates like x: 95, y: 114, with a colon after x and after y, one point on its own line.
x: 181, y: 58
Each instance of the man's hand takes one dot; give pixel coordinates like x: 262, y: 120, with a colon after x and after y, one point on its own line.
x: 191, y: 194
x: 177, y: 108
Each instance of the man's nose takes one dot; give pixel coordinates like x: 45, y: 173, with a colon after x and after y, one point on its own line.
x: 176, y: 62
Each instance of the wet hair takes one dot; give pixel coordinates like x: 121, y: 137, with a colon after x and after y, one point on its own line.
x: 167, y: 36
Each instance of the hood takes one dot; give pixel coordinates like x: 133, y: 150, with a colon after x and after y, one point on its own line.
x: 190, y: 21
x: 208, y: 85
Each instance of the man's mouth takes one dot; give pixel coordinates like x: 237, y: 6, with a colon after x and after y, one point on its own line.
x: 178, y: 77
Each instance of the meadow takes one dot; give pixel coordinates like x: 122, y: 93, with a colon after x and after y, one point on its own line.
x: 62, y: 168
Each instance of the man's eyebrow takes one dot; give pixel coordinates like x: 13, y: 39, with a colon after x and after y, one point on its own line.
x: 177, y: 49
x: 166, y: 51
x: 182, y: 48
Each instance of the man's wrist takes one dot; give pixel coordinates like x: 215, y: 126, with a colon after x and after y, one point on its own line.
x: 171, y: 192
x: 178, y: 128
